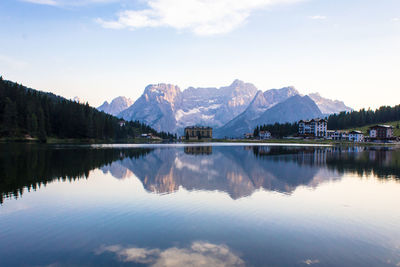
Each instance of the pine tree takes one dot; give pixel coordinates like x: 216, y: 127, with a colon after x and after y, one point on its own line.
x: 10, y: 117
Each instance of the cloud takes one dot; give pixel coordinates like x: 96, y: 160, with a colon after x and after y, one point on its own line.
x: 317, y: 17
x: 198, y: 254
x: 395, y: 19
x: 202, y: 17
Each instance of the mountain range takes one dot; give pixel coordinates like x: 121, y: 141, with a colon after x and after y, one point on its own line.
x: 231, y: 110
x: 116, y: 106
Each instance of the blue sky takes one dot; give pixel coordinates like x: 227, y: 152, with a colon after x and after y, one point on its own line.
x: 100, y: 49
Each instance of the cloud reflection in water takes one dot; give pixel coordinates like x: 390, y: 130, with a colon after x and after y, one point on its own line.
x: 198, y: 254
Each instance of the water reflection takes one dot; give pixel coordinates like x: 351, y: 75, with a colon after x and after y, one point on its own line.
x: 238, y: 170
x: 198, y: 254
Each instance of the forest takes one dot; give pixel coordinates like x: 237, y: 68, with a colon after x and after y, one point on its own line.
x: 28, y: 113
x: 341, y: 121
x: 28, y: 167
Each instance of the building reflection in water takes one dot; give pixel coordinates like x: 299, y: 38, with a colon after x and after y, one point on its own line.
x: 198, y: 150
x: 237, y: 170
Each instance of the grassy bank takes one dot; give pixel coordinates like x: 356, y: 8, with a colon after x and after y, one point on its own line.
x: 365, y: 129
x: 303, y: 141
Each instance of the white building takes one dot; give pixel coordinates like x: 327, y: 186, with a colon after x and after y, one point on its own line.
x: 265, y: 135
x: 338, y: 136
x: 314, y: 127
x: 356, y: 136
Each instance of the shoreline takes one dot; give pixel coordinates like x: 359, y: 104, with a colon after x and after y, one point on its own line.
x: 233, y: 141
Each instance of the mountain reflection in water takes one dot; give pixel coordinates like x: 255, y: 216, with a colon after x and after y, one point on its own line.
x: 236, y: 170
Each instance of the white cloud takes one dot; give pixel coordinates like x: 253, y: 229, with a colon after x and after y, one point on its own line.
x: 203, y: 17
x: 317, y: 17
x: 395, y: 19
x: 198, y: 254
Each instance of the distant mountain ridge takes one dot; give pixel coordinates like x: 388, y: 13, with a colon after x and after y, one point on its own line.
x: 328, y: 106
x: 116, y: 106
x: 231, y: 110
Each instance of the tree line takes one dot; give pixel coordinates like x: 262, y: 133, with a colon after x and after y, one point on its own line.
x: 28, y: 167
x: 346, y: 120
x: 25, y: 112
x: 341, y: 121
x: 277, y: 130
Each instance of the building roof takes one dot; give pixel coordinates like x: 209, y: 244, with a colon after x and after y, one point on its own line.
x: 314, y: 120
x: 356, y: 132
x: 198, y: 127
x: 381, y: 126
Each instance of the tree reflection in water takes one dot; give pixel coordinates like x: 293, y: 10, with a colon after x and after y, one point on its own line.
x: 237, y: 170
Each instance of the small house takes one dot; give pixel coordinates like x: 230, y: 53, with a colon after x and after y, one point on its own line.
x: 356, y: 136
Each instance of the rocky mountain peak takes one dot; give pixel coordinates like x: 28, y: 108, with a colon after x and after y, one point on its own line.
x: 328, y: 106
x: 162, y: 92
x: 117, y: 105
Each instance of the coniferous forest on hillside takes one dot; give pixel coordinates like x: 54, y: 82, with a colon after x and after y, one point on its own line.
x: 25, y: 112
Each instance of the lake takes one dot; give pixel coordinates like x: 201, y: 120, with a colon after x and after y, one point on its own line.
x: 199, y: 205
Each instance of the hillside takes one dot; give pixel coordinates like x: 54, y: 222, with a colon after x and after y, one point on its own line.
x: 30, y: 114
x: 364, y: 129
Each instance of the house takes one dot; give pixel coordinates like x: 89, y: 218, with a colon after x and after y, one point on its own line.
x: 315, y: 127
x: 146, y: 135
x: 198, y: 132
x: 264, y: 135
x: 338, y: 135
x: 381, y: 132
x: 121, y: 123
x: 330, y: 134
x: 356, y: 136
x: 248, y: 135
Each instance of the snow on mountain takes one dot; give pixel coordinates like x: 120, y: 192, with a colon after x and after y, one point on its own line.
x: 231, y: 110
x: 262, y: 102
x: 167, y: 108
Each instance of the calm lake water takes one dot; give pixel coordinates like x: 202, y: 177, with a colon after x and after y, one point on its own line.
x: 209, y: 205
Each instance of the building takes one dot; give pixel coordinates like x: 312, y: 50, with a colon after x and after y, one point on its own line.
x: 338, y: 135
x: 121, y: 123
x: 248, y: 135
x: 150, y: 136
x: 198, y: 150
x: 264, y: 135
x: 381, y: 132
x: 314, y: 127
x: 356, y: 136
x: 198, y: 132
x: 330, y: 134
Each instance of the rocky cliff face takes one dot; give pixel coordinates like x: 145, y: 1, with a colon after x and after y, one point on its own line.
x: 166, y: 108
x: 328, y: 106
x: 212, y: 106
x: 231, y: 110
x: 263, y: 101
x: 156, y: 107
x: 116, y: 106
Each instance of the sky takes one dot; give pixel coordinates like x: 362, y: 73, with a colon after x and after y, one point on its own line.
x: 100, y: 49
